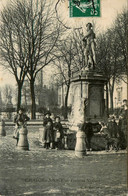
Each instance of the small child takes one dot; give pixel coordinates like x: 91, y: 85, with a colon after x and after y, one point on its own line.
x: 58, y: 133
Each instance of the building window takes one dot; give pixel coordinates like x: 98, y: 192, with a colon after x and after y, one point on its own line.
x: 119, y: 95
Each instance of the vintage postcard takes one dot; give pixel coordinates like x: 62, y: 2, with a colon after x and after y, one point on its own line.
x: 63, y: 97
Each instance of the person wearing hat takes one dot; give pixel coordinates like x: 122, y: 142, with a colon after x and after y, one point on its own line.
x: 113, y: 135
x: 58, y: 133
x: 90, y: 45
x: 88, y: 130
x: 20, y: 120
x: 48, y: 124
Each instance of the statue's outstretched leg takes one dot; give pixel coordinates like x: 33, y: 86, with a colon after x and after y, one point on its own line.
x: 90, y: 61
x: 86, y: 58
x: 93, y: 48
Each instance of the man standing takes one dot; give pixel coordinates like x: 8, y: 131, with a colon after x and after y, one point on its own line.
x: 88, y: 130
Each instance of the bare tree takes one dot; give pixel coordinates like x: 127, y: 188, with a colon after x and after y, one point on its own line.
x: 79, y: 49
x: 121, y: 31
x: 111, y: 55
x: 118, y: 50
x: 64, y: 54
x: 35, y: 32
x: 12, y: 51
x: 44, y: 31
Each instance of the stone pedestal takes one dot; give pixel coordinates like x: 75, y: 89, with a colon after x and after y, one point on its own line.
x: 80, y: 149
x: 23, y: 140
x: 2, y: 128
x: 87, y: 97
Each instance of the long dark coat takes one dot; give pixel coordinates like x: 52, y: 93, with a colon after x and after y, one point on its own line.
x: 87, y: 128
x: 49, y: 135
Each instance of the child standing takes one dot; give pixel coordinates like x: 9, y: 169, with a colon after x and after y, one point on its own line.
x: 58, y: 133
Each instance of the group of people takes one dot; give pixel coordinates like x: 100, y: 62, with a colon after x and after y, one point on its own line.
x: 53, y: 132
x: 115, y: 133
x: 114, y: 130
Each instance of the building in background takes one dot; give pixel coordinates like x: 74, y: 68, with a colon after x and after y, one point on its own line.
x: 120, y: 92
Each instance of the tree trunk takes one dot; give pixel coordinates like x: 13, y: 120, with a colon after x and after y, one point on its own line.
x: 33, y: 106
x: 19, y: 95
x: 111, y: 100
x: 107, y: 100
x: 111, y: 89
x: 66, y: 102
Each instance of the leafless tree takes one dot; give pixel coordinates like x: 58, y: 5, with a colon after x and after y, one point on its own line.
x: 121, y: 31
x: 32, y: 32
x: 45, y: 32
x: 64, y: 54
x: 12, y: 51
x: 79, y: 49
x: 111, y: 55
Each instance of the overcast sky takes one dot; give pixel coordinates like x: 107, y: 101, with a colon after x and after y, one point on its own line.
x: 109, y: 10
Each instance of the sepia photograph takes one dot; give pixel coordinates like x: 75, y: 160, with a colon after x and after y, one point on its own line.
x: 63, y: 97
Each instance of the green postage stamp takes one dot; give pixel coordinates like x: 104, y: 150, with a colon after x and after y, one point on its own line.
x: 84, y: 8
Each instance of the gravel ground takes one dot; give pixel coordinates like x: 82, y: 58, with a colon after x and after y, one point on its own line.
x: 51, y: 172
